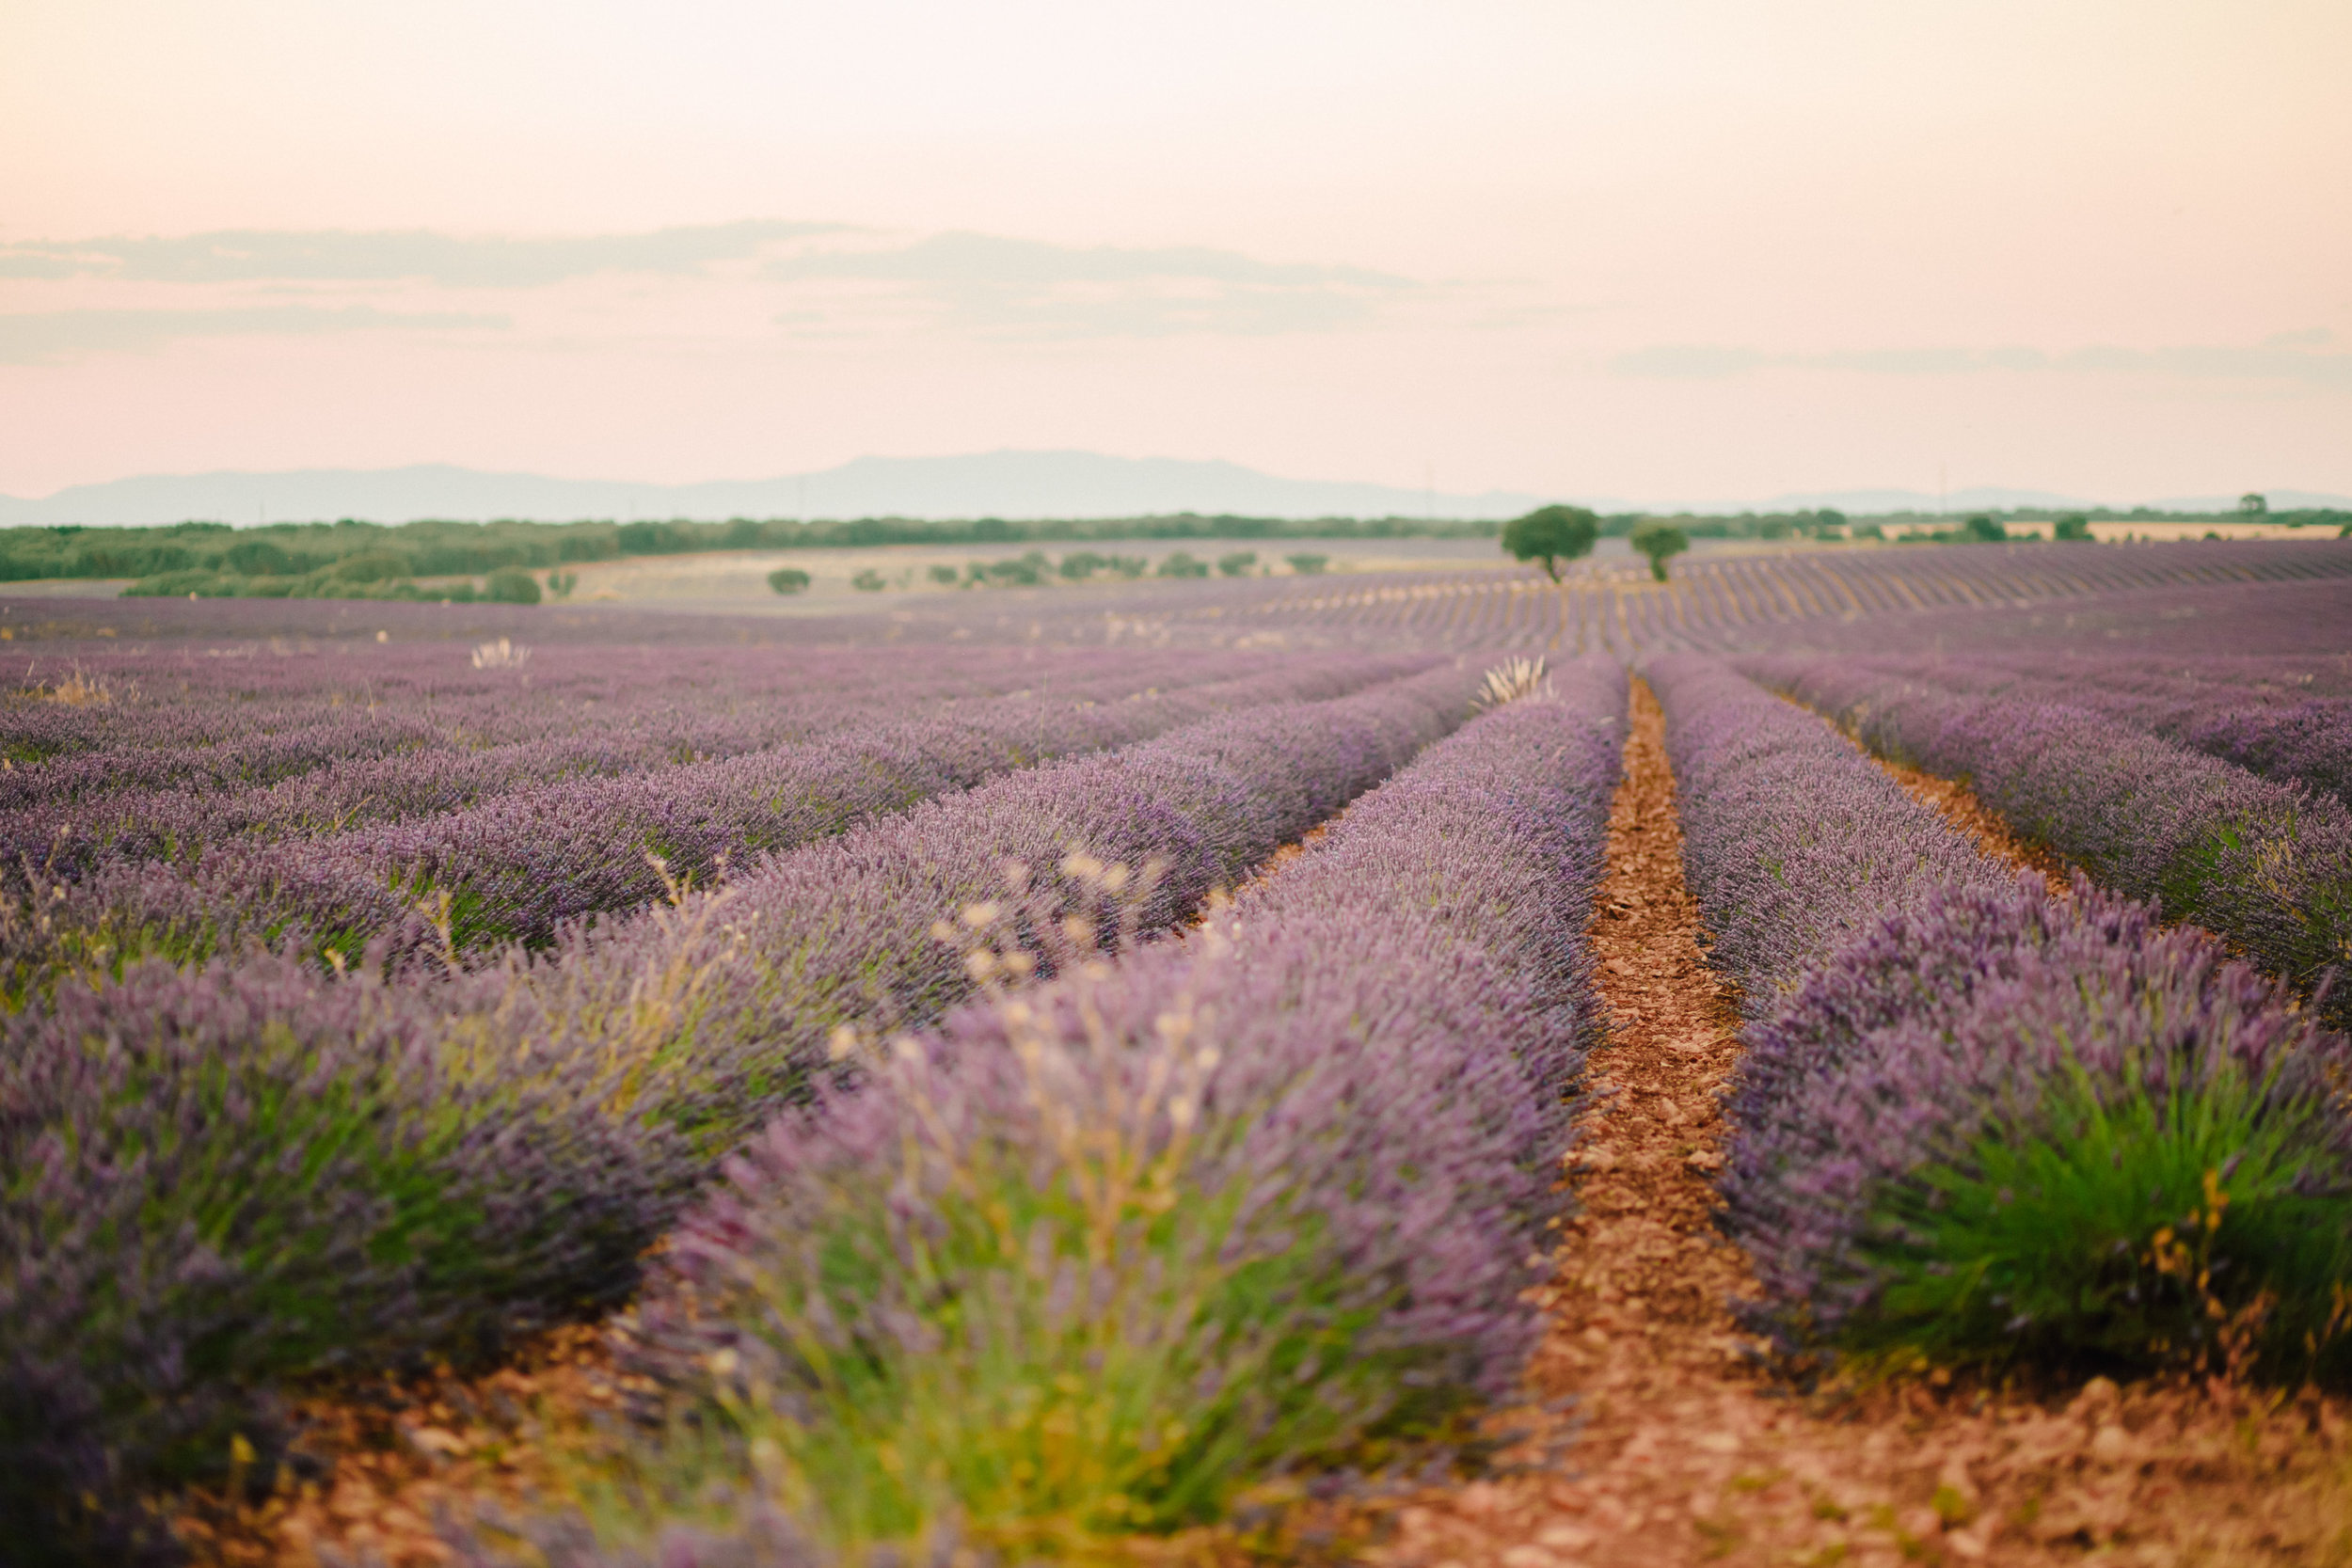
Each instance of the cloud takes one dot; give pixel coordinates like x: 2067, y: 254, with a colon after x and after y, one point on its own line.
x: 833, y: 280
x: 45, y: 336
x: 2305, y: 356
x: 1029, y: 288
x: 340, y: 256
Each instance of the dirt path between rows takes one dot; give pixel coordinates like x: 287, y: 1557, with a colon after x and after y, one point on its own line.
x: 1662, y: 1439
x: 1978, y: 822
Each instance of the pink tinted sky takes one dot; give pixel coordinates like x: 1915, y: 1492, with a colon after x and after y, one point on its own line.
x: 1684, y: 249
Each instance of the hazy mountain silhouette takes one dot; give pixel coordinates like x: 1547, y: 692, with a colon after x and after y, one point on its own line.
x: 997, y: 484
x: 982, y: 484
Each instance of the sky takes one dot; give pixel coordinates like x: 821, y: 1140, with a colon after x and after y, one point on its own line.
x: 1686, y: 250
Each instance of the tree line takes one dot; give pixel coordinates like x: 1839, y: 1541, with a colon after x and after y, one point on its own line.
x: 361, y: 560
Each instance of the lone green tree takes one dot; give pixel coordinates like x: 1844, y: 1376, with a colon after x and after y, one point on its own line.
x: 1551, y: 534
x: 1658, y: 541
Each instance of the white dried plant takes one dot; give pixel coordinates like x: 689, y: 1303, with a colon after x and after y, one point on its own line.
x: 503, y: 654
x: 1511, y: 680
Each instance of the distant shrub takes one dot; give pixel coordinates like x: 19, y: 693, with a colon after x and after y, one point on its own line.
x: 1182, y: 564
x: 1080, y: 564
x: 2071, y: 529
x: 1983, y: 531
x: 1023, y: 572
x: 869, y: 582
x: 1238, y: 563
x: 513, y: 585
x: 1869, y: 531
x: 1308, y: 564
x: 562, y: 584
x: 945, y: 575
x: 790, y: 579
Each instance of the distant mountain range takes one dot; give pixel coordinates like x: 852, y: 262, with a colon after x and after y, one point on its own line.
x: 987, y: 484
x: 1032, y: 484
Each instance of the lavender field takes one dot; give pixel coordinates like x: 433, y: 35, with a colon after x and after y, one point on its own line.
x: 1021, y: 1070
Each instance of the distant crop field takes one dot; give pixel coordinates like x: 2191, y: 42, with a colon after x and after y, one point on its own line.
x: 964, y: 1057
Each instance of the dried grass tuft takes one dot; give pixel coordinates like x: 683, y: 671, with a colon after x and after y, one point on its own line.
x: 1511, y: 680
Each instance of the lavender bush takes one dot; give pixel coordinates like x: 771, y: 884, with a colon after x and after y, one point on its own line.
x: 1977, y: 1121
x: 2266, y: 867
x: 2005, y: 1125
x: 1163, y: 1225
x: 222, y: 1180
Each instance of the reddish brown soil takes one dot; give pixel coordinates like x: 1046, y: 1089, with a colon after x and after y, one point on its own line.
x: 1676, y: 1446
x: 396, y: 1454
x: 1963, y: 811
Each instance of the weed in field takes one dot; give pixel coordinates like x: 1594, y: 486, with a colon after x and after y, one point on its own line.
x: 2125, y: 1225
x: 80, y: 689
x: 1511, y: 680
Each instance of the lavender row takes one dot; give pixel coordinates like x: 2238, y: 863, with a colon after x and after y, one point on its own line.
x: 2282, y: 719
x: 1793, y: 844
x: 839, y: 932
x: 149, y: 724
x: 658, y: 749
x: 1983, y: 1121
x: 515, y: 869
x: 216, y: 718
x: 249, y: 1170
x: 2227, y: 616
x: 2267, y: 866
x: 1262, y: 1188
